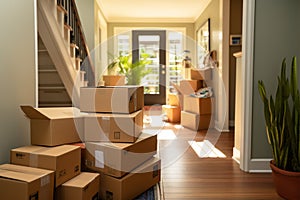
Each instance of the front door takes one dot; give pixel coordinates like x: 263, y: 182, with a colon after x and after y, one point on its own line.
x: 152, y: 43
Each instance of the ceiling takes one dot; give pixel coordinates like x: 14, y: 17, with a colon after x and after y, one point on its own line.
x: 152, y: 10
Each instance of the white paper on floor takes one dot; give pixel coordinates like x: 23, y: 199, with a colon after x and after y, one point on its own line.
x: 206, y: 149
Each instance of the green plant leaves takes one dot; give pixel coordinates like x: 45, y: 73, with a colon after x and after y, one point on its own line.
x: 282, y: 119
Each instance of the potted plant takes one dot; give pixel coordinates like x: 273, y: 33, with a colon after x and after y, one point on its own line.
x: 114, y: 77
x: 133, y: 72
x: 282, y: 120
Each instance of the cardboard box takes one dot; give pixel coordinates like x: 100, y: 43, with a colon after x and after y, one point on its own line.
x: 195, y: 121
x: 201, y: 74
x: 114, y: 80
x: 85, y: 186
x: 54, y: 126
x: 196, y: 105
x: 172, y: 113
x: 64, y: 160
x: 104, y: 127
x: 118, y: 99
x: 173, y: 99
x: 191, y: 86
x: 117, y: 159
x: 23, y: 183
x: 131, y: 185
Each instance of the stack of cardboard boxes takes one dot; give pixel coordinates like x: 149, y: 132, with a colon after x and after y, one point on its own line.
x: 116, y: 146
x: 173, y: 108
x: 55, y: 164
x: 52, y: 167
x: 197, y: 112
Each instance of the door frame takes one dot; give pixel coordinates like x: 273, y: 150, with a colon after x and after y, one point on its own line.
x: 152, y: 99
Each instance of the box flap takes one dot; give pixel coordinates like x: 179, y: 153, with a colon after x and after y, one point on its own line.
x: 51, y: 113
x: 32, y: 113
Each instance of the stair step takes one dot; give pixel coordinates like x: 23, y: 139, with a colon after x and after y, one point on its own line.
x: 53, y: 95
x: 41, y: 105
x: 62, y: 9
x: 68, y: 27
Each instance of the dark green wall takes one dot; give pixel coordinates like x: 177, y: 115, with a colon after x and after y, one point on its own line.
x: 277, y: 35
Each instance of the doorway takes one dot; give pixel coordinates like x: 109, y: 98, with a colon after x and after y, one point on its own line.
x: 153, y: 44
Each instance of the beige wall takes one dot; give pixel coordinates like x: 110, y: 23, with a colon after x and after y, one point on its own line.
x: 18, y: 72
x: 218, y: 12
x: 95, y: 31
x: 236, y: 14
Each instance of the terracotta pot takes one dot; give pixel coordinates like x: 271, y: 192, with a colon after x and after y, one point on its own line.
x: 114, y: 80
x: 287, y: 183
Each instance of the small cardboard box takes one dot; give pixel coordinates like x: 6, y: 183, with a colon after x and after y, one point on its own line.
x: 172, y: 113
x: 117, y: 159
x: 64, y: 160
x: 23, y: 183
x: 201, y: 74
x: 173, y: 99
x: 194, y: 121
x: 118, y: 99
x: 114, y: 80
x: 54, y: 126
x: 104, y: 127
x: 133, y: 184
x: 85, y: 186
x: 197, y: 105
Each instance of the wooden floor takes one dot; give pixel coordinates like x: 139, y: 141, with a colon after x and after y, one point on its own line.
x: 189, y: 177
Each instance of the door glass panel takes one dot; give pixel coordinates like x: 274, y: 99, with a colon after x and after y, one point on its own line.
x: 149, y: 46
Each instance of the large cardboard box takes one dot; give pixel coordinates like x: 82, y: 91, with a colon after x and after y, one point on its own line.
x: 54, y: 126
x: 197, y: 105
x: 114, y: 80
x: 172, y: 113
x: 64, y: 160
x: 85, y: 186
x: 117, y: 159
x: 118, y: 99
x: 195, y: 121
x: 104, y: 127
x: 201, y: 74
x: 23, y: 183
x: 131, y: 185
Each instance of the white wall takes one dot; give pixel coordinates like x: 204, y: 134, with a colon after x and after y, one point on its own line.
x: 18, y: 72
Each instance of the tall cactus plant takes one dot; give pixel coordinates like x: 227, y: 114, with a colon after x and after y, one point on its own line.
x: 282, y: 119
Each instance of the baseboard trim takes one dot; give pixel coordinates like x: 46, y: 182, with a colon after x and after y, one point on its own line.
x: 236, y: 155
x: 218, y: 128
x: 260, y: 166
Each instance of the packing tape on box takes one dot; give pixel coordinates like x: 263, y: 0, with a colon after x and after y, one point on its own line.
x: 106, y: 125
x: 135, y: 101
x: 33, y: 160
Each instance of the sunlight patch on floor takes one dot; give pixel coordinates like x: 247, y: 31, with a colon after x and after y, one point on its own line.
x: 166, y: 134
x: 206, y: 149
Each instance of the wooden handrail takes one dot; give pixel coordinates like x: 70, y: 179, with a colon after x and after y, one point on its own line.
x: 77, y: 37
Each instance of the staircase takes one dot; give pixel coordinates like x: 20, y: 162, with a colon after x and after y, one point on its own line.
x: 64, y: 60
